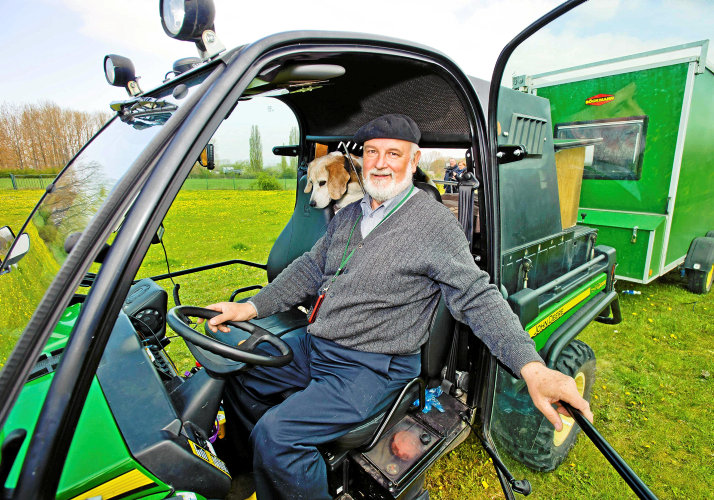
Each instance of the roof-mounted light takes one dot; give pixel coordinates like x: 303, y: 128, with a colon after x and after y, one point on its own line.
x: 119, y: 72
x: 192, y: 21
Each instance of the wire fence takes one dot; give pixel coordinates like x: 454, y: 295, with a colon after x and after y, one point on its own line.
x: 11, y: 181
x: 234, y: 183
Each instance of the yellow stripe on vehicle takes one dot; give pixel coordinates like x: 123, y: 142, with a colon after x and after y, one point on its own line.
x: 558, y: 313
x: 120, y: 485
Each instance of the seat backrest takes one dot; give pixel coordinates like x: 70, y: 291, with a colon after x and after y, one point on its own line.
x: 429, y: 189
x: 441, y: 330
x: 306, y: 225
x: 436, y: 348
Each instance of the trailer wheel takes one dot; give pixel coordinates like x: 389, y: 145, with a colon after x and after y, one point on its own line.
x: 549, y: 448
x: 700, y: 281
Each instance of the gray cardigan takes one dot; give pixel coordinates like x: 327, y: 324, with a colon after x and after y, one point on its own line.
x: 383, y: 300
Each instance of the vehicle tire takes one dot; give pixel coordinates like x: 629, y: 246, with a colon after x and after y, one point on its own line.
x: 547, y: 449
x: 700, y: 281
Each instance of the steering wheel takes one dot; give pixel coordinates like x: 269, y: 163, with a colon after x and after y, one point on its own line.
x: 242, y: 353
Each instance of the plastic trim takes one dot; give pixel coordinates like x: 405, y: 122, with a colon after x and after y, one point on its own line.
x: 678, y: 153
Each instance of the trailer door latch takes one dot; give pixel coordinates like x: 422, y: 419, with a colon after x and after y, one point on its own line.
x: 633, y: 239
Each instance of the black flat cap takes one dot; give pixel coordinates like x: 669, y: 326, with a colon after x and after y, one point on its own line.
x: 392, y: 126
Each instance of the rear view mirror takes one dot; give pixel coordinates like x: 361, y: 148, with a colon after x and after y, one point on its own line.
x: 19, y: 250
x: 207, y: 158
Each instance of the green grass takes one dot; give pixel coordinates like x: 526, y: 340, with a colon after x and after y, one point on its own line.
x: 19, y: 293
x: 653, y: 395
x: 192, y: 184
x: 242, y: 225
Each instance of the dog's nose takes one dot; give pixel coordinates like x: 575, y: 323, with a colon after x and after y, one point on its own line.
x: 312, y: 203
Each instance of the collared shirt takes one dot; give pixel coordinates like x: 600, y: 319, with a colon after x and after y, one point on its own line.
x: 370, y: 217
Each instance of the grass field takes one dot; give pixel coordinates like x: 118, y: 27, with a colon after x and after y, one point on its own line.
x: 229, y: 183
x: 652, y: 398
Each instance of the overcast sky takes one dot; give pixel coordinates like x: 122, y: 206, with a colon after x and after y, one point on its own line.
x: 54, y: 49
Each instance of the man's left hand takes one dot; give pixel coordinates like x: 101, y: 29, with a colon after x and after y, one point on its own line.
x: 548, y: 387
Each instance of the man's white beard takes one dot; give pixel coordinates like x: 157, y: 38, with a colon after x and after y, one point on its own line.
x: 386, y: 192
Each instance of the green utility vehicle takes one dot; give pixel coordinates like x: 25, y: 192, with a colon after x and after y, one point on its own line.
x: 92, y: 403
x: 648, y: 179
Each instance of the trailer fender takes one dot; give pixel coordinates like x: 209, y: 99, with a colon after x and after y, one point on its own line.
x: 699, y: 264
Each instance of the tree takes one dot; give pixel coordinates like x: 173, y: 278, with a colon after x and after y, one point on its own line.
x: 433, y: 161
x: 43, y: 136
x: 294, y: 140
x: 256, y: 150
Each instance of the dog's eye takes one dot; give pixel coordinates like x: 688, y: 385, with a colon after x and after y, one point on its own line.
x: 322, y: 183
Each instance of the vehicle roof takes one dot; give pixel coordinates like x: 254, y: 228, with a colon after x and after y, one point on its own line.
x: 382, y: 75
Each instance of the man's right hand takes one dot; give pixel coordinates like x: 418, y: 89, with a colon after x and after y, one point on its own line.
x: 230, y: 311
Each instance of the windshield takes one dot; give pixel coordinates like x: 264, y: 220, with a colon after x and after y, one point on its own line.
x: 78, y: 193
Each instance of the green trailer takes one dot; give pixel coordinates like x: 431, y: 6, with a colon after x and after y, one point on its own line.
x: 648, y: 178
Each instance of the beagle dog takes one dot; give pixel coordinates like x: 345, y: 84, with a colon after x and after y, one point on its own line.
x: 330, y: 177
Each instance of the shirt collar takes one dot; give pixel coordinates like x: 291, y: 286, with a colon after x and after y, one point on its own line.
x: 366, y: 203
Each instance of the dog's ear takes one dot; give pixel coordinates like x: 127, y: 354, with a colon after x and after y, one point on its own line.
x: 337, y: 179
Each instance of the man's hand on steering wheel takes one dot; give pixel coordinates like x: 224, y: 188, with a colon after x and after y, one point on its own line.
x: 230, y: 311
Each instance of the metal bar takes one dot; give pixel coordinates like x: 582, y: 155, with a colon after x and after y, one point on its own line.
x: 625, y: 58
x: 205, y: 268
x: 395, y: 407
x: 573, y: 326
x: 549, y: 286
x: 632, y: 479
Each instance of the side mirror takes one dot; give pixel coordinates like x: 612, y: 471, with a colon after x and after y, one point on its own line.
x: 207, y: 158
x: 19, y: 250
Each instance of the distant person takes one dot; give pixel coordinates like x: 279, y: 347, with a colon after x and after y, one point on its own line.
x: 449, y: 176
x: 456, y: 173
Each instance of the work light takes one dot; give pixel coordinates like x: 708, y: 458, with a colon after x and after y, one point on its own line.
x: 187, y: 19
x: 118, y: 70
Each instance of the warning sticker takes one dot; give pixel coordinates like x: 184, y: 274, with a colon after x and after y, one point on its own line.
x: 209, y: 457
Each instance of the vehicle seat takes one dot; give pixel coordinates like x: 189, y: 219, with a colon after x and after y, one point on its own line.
x: 307, y: 224
x: 429, y: 189
x: 433, y: 359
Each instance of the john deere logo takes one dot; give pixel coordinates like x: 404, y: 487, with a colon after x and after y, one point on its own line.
x: 599, y: 100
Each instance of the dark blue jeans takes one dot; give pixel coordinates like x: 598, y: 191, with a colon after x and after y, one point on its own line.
x: 338, y: 389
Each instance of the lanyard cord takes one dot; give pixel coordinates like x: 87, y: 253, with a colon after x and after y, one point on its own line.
x: 345, y: 257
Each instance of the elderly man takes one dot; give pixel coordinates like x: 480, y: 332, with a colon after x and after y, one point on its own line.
x: 378, y: 274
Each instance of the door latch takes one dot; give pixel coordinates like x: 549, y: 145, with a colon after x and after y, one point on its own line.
x: 633, y: 239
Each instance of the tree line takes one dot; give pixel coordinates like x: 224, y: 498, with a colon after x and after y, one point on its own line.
x: 43, y: 137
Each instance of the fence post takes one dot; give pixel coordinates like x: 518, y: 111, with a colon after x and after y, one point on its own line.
x: 12, y: 180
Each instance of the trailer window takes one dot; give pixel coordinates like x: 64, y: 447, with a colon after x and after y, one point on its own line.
x: 619, y: 155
